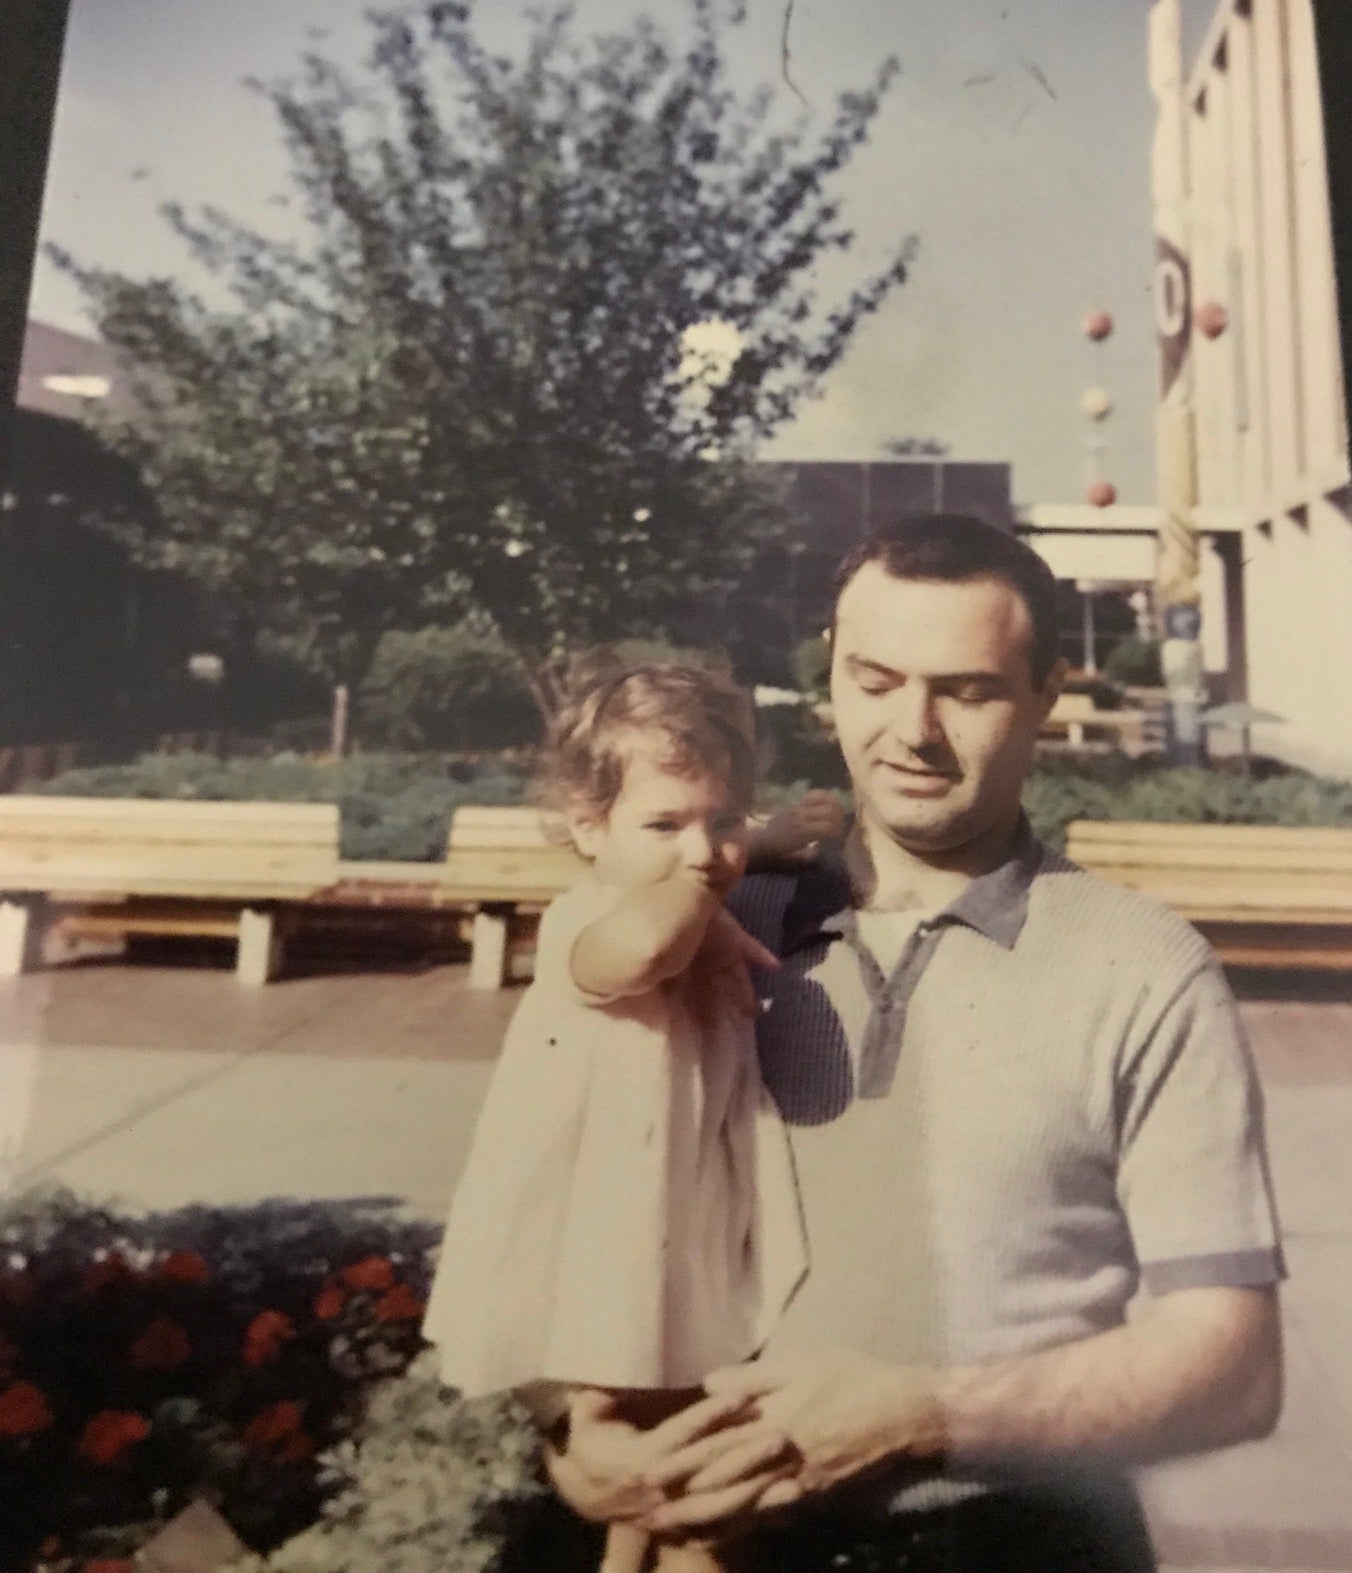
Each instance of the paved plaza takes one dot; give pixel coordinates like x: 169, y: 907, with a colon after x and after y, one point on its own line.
x: 155, y: 1087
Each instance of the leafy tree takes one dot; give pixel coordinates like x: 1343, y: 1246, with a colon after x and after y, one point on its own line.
x: 543, y: 312
x: 445, y: 688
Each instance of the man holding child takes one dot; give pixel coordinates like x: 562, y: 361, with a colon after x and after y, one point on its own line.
x: 1016, y: 1095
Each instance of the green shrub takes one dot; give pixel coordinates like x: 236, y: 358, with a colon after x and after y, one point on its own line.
x: 393, y: 806
x: 1116, y: 787
x: 437, y: 1485
x: 398, y: 806
x: 795, y: 746
x: 812, y: 665
x: 1135, y: 662
x: 445, y: 688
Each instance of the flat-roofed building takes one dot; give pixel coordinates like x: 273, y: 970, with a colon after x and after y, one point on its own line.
x: 1269, y: 400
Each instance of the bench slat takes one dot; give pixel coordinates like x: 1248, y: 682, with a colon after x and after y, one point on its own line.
x: 520, y: 827
x: 158, y: 821
x: 1142, y: 833
x: 1265, y: 895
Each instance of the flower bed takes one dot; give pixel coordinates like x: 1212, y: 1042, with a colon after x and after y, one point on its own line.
x: 208, y: 1352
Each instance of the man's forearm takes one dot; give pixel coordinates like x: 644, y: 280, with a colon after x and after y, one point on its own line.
x: 1197, y: 1370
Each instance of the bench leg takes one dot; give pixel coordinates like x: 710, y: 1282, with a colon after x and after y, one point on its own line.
x: 488, y: 951
x: 22, y: 927
x: 259, y: 959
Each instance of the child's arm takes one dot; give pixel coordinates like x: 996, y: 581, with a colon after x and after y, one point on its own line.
x: 651, y: 935
x: 791, y: 833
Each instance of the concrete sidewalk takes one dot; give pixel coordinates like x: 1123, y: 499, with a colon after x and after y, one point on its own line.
x: 158, y: 1088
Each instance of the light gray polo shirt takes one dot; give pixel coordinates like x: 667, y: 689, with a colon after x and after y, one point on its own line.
x: 1048, y: 1103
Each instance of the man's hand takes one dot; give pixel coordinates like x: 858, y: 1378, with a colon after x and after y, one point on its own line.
x: 794, y: 831
x: 841, y: 1412
x: 608, y: 1472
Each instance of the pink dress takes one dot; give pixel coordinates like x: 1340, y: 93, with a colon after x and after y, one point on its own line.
x: 628, y: 1215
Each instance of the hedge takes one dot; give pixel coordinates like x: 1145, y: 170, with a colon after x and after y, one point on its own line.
x: 399, y: 805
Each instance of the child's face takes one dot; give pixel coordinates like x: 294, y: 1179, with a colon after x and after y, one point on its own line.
x: 662, y: 823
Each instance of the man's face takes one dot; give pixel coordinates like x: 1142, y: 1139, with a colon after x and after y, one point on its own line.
x: 935, y: 706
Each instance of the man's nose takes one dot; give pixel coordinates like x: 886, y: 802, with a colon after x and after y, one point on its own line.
x: 914, y: 719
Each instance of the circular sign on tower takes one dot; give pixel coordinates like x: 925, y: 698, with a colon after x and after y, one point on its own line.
x: 1173, y: 310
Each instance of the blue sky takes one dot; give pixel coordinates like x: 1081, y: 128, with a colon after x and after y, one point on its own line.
x: 1015, y: 145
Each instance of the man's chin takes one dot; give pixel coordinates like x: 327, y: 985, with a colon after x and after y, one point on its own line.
x: 926, y: 825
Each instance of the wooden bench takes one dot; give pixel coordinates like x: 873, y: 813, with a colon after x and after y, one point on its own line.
x: 1264, y: 895
x: 500, y: 872
x: 1075, y: 716
x: 121, y: 867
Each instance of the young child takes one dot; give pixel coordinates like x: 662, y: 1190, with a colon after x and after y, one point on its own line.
x: 627, y: 1218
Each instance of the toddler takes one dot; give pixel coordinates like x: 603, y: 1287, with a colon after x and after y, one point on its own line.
x: 628, y: 1218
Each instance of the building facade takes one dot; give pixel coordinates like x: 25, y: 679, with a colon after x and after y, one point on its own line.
x: 1271, y: 438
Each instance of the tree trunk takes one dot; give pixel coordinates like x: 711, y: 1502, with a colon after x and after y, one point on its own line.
x: 341, y: 722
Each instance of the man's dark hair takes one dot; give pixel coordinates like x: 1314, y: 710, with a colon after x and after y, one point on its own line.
x: 951, y: 548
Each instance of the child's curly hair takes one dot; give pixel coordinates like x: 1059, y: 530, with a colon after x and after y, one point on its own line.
x: 700, y: 721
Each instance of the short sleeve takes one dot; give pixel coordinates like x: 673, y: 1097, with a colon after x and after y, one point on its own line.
x: 563, y: 922
x: 1193, y: 1174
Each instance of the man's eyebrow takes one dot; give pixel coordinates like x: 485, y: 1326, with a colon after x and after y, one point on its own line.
x: 863, y: 663
x: 858, y: 663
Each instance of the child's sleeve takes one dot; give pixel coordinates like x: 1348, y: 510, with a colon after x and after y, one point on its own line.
x: 565, y: 919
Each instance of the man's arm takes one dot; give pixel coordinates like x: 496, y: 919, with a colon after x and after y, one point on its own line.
x: 1197, y: 1369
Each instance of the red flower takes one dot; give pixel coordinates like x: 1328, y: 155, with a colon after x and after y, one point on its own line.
x: 185, y: 1267
x: 111, y: 1433
x: 373, y: 1275
x: 329, y: 1302
x: 274, y: 1425
x: 297, y: 1448
x: 16, y: 1288
x: 162, y: 1347
x: 268, y: 1333
x: 399, y: 1305
x: 113, y: 1269
x: 24, y: 1410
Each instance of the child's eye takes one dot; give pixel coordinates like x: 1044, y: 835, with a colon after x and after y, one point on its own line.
x: 729, y: 825
x: 667, y: 827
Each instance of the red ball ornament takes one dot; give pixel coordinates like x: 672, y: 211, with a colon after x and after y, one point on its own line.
x: 1102, y: 494
x: 1097, y: 326
x: 1211, y: 319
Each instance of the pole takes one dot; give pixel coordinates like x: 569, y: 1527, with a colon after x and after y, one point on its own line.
x: 342, y: 698
x: 1090, y: 654
x: 1178, y: 567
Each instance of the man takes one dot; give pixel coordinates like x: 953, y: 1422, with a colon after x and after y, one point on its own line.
x: 1016, y: 1095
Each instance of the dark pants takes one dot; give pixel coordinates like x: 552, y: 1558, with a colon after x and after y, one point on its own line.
x: 1020, y: 1531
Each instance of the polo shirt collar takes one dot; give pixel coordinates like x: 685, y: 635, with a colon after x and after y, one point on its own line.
x: 994, y: 904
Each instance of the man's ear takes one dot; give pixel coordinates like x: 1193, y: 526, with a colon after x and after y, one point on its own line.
x: 1053, y: 685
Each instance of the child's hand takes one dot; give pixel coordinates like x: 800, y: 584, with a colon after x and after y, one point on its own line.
x: 815, y: 817
x: 720, y: 974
